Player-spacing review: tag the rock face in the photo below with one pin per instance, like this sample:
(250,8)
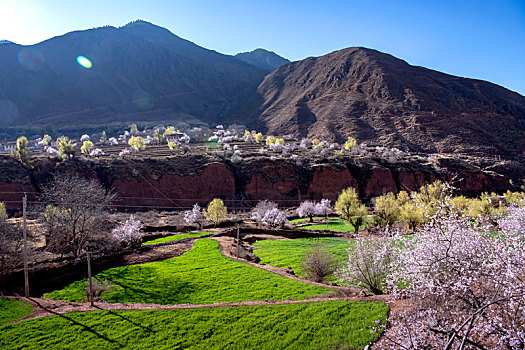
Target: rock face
(381,100)
(178,183)
(264,59)
(140,72)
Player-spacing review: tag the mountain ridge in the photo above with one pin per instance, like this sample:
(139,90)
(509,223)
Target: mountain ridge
(143,72)
(380,99)
(262,58)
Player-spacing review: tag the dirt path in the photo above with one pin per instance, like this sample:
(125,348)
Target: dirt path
(48,307)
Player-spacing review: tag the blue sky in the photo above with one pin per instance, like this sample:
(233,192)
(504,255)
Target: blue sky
(482,39)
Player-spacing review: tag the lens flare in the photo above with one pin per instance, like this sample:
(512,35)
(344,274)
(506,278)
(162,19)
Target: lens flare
(84,62)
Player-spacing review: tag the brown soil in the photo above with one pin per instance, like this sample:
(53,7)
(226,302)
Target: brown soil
(47,307)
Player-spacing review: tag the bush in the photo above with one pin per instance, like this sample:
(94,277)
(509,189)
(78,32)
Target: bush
(318,264)
(368,264)
(99,287)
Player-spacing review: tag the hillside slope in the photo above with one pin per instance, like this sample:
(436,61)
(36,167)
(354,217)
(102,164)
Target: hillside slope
(379,99)
(264,59)
(139,72)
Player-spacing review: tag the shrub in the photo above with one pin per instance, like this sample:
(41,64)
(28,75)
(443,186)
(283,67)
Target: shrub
(98,287)
(318,264)
(368,264)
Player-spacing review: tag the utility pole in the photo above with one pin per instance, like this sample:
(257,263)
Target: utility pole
(238,241)
(89,278)
(26,273)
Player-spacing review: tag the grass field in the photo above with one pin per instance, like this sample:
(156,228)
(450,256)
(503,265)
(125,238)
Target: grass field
(295,221)
(290,253)
(175,237)
(324,325)
(12,310)
(336,225)
(201,275)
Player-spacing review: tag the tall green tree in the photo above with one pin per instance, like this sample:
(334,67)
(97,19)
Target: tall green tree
(22,153)
(350,208)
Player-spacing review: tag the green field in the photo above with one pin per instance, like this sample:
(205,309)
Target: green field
(336,225)
(175,237)
(322,325)
(201,275)
(12,310)
(290,253)
(295,221)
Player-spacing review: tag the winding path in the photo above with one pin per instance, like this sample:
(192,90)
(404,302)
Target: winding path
(47,307)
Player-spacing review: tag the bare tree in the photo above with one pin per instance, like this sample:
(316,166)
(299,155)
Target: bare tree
(75,210)
(10,246)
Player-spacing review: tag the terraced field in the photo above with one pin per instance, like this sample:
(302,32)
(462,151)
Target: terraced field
(202,276)
(290,253)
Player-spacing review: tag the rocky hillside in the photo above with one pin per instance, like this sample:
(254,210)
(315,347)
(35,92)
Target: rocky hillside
(379,99)
(264,59)
(177,182)
(139,72)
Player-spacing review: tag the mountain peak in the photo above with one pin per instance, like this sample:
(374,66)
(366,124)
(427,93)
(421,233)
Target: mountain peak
(139,22)
(262,58)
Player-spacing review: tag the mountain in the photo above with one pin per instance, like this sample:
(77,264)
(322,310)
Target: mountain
(140,72)
(382,100)
(267,60)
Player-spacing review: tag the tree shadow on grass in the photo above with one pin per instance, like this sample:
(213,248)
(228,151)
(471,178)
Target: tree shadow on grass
(143,284)
(86,328)
(146,328)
